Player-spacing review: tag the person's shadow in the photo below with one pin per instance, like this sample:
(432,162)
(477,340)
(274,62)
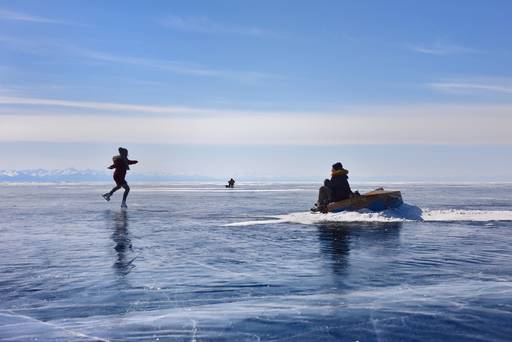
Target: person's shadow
(123,245)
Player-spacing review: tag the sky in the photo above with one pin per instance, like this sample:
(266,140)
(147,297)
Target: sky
(393,90)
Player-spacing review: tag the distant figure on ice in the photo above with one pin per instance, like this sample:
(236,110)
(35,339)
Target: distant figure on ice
(121,164)
(334,190)
(231,183)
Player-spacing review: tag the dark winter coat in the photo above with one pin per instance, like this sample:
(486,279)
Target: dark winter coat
(339,186)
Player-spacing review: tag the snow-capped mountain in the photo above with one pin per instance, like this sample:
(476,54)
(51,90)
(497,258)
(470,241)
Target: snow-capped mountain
(43,175)
(74,175)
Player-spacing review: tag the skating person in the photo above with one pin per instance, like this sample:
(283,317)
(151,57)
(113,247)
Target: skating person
(121,164)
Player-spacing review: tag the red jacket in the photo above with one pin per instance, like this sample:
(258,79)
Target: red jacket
(121,165)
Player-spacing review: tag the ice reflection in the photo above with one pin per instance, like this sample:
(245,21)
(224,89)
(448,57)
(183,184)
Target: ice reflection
(335,245)
(336,239)
(123,245)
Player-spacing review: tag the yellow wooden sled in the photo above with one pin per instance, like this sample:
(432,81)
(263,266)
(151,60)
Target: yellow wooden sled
(376,200)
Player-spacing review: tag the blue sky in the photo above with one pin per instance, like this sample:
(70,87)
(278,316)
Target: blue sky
(281,88)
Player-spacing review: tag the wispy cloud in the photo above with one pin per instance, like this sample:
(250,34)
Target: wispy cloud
(33,47)
(98,106)
(208,26)
(257,130)
(6,91)
(18,16)
(498,87)
(442,124)
(181,67)
(440,49)
(41,47)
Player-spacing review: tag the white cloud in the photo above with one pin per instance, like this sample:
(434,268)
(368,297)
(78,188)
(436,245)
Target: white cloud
(208,26)
(17,16)
(357,125)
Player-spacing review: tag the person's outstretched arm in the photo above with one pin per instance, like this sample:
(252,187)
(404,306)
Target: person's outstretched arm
(117,163)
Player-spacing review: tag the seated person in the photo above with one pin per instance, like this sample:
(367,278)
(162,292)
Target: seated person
(334,190)
(231,183)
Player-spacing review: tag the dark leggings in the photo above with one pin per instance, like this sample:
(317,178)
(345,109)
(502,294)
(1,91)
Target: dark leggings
(325,195)
(117,187)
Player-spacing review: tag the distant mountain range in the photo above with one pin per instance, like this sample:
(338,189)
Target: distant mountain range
(74,175)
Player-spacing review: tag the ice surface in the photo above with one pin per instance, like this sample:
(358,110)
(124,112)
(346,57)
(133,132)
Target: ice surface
(198,262)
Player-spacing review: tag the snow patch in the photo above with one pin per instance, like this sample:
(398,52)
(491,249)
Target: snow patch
(402,214)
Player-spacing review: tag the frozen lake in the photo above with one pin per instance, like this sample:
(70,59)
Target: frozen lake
(200,262)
